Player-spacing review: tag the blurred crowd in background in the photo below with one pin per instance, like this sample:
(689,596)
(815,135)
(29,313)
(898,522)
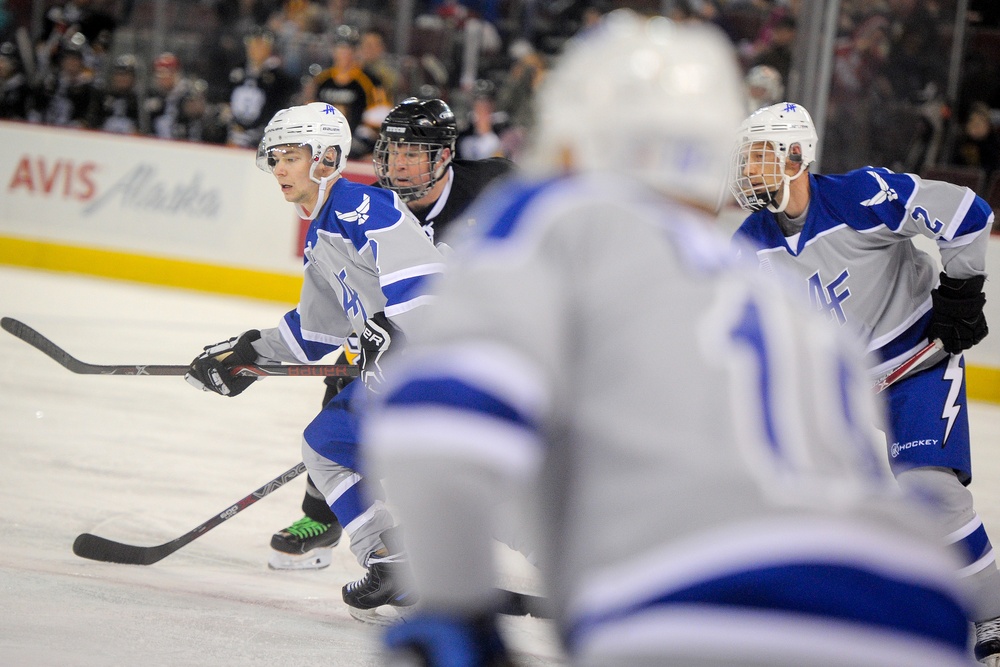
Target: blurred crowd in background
(216,70)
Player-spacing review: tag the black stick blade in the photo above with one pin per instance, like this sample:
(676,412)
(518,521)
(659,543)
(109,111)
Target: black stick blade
(96,547)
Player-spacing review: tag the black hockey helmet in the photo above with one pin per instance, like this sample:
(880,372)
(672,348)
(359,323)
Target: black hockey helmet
(408,155)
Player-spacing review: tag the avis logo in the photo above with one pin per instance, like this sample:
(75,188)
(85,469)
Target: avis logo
(64,178)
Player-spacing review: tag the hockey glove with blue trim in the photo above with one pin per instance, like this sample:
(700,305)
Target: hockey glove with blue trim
(213,369)
(437,640)
(957,318)
(379,335)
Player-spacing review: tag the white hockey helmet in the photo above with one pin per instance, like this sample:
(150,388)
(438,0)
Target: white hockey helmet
(318,125)
(770,138)
(647,97)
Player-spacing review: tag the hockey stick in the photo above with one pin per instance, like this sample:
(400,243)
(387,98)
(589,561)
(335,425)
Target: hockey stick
(40,342)
(897,373)
(95,547)
(99,548)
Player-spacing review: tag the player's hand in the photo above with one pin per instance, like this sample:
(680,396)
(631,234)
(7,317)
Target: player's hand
(379,335)
(957,317)
(213,369)
(437,640)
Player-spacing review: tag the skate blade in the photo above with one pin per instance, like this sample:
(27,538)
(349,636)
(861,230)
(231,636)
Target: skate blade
(316,559)
(384,615)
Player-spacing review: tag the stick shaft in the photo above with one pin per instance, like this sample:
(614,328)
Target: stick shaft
(40,342)
(99,548)
(897,373)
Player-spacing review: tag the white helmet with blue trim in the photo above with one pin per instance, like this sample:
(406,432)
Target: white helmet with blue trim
(768,140)
(319,126)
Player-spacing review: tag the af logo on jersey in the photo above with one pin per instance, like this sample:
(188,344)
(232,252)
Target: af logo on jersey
(884,194)
(358,215)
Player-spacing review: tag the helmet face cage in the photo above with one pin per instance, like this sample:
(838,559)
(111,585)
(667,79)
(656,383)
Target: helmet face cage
(410,169)
(758,172)
(408,154)
(770,138)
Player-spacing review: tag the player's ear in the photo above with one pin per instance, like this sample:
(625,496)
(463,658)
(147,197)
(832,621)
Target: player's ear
(328,164)
(331,156)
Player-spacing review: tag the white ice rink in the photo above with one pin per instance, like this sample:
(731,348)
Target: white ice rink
(145,459)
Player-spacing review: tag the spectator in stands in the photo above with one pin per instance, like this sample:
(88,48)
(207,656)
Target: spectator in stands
(163,102)
(259,89)
(778,52)
(979,143)
(516,95)
(295,26)
(118,108)
(764,87)
(914,67)
(63,20)
(347,87)
(199,120)
(66,95)
(481,140)
(14,89)
(376,64)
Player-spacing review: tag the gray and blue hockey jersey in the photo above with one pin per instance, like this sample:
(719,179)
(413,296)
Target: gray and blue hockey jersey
(711,496)
(364,253)
(855,258)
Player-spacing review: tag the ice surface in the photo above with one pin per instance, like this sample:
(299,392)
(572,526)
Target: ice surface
(143,460)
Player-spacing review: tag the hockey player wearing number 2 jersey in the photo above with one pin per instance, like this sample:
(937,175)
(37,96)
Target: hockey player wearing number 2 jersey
(713,497)
(366,259)
(846,239)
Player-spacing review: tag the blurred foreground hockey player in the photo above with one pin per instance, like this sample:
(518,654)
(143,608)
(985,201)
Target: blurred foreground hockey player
(846,241)
(415,158)
(714,496)
(366,258)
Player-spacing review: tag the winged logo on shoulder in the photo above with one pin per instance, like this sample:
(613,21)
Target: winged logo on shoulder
(884,194)
(358,215)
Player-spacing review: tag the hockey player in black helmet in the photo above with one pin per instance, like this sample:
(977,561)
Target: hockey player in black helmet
(414,157)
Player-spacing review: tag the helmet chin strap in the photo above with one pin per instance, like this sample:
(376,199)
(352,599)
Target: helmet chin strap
(324,185)
(785,180)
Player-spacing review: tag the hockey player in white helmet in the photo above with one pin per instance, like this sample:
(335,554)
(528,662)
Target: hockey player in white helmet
(714,499)
(845,241)
(366,261)
(415,158)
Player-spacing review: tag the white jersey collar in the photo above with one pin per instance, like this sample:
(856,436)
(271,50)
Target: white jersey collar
(443,199)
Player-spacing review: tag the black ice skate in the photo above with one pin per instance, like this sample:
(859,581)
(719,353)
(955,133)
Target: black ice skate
(386,584)
(307,544)
(988,642)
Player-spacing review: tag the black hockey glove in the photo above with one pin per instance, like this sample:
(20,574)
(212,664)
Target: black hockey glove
(957,318)
(335,385)
(212,370)
(379,335)
(437,640)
